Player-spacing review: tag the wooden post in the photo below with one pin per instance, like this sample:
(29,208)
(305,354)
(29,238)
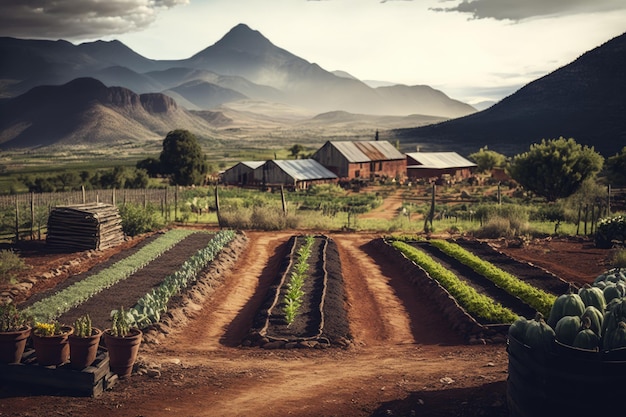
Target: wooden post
(499,195)
(167,208)
(17,220)
(431,214)
(282,197)
(608,201)
(176,203)
(32,216)
(217,207)
(113,196)
(82,187)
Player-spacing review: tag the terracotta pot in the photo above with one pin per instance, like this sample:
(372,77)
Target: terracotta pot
(83,350)
(52,350)
(122,351)
(12,345)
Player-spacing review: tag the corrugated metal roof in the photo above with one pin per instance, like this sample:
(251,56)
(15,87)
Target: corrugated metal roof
(252,164)
(367,151)
(304,169)
(439,160)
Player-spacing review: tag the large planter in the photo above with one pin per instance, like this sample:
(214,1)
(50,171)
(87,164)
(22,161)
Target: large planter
(83,350)
(12,345)
(53,350)
(123,351)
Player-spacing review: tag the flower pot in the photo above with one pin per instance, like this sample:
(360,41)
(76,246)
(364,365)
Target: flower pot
(83,350)
(122,351)
(52,350)
(12,345)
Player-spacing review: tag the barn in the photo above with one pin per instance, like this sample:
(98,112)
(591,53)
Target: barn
(242,173)
(362,159)
(431,165)
(295,174)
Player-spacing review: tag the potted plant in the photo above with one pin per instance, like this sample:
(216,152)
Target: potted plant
(51,343)
(84,343)
(122,342)
(14,331)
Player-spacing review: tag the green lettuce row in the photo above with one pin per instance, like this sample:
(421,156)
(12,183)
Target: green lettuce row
(151,306)
(534,297)
(473,302)
(54,306)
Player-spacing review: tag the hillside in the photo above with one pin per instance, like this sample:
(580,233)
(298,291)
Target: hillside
(584,100)
(85,111)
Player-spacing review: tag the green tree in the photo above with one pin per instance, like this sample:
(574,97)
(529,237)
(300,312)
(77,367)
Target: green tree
(295,150)
(616,168)
(151,165)
(487,159)
(182,158)
(555,168)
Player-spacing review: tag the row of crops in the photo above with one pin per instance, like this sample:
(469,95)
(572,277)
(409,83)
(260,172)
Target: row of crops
(485,294)
(152,305)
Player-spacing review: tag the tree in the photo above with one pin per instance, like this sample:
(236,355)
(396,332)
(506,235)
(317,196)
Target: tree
(555,168)
(182,158)
(295,150)
(616,168)
(151,165)
(487,159)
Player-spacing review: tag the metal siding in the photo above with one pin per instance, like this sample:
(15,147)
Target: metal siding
(304,169)
(437,160)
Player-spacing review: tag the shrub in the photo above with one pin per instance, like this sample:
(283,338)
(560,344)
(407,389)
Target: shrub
(618,260)
(611,231)
(137,219)
(10,264)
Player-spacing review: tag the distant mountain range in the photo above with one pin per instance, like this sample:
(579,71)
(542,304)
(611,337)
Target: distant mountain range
(57,93)
(584,100)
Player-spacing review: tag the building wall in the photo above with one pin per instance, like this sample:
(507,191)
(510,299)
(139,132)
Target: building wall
(333,160)
(456,173)
(238,175)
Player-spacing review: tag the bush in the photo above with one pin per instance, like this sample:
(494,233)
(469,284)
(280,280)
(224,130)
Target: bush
(137,219)
(498,227)
(611,231)
(618,260)
(259,218)
(10,264)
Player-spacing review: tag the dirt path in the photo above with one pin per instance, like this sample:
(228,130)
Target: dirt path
(388,209)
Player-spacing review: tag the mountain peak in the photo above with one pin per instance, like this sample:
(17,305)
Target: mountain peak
(242,38)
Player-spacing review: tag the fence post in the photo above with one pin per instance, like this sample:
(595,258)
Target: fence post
(17,220)
(176,203)
(217,208)
(282,197)
(113,197)
(32,216)
(82,187)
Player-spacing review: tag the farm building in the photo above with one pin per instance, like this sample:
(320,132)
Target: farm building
(426,165)
(362,159)
(295,174)
(242,173)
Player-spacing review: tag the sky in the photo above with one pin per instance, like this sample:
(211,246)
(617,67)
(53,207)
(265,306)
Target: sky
(472,50)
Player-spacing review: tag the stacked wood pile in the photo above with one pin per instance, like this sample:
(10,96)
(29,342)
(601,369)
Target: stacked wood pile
(84,227)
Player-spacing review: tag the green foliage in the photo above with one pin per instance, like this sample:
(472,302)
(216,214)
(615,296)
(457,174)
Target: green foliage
(487,159)
(293,297)
(296,150)
(506,220)
(10,264)
(182,158)
(618,260)
(64,300)
(120,323)
(82,326)
(471,300)
(616,168)
(611,231)
(137,219)
(12,319)
(534,297)
(555,168)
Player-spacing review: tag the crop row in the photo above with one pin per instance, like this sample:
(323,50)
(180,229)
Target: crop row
(62,301)
(293,297)
(476,304)
(534,297)
(151,306)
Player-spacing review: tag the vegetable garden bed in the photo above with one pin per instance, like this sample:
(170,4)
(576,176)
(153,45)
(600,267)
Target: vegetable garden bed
(320,319)
(467,314)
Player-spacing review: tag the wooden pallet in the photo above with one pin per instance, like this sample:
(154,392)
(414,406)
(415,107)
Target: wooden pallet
(60,380)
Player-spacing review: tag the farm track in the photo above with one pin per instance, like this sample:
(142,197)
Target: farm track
(477,281)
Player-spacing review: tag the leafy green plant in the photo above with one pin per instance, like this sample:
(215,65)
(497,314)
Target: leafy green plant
(610,231)
(52,307)
(137,219)
(46,329)
(294,294)
(471,300)
(534,297)
(10,263)
(11,319)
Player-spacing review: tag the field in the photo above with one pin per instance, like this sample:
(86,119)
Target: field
(404,357)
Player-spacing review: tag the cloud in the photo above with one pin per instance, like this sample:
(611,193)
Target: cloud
(517,10)
(78,19)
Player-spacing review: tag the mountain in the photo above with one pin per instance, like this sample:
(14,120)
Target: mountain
(85,111)
(243,60)
(584,100)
